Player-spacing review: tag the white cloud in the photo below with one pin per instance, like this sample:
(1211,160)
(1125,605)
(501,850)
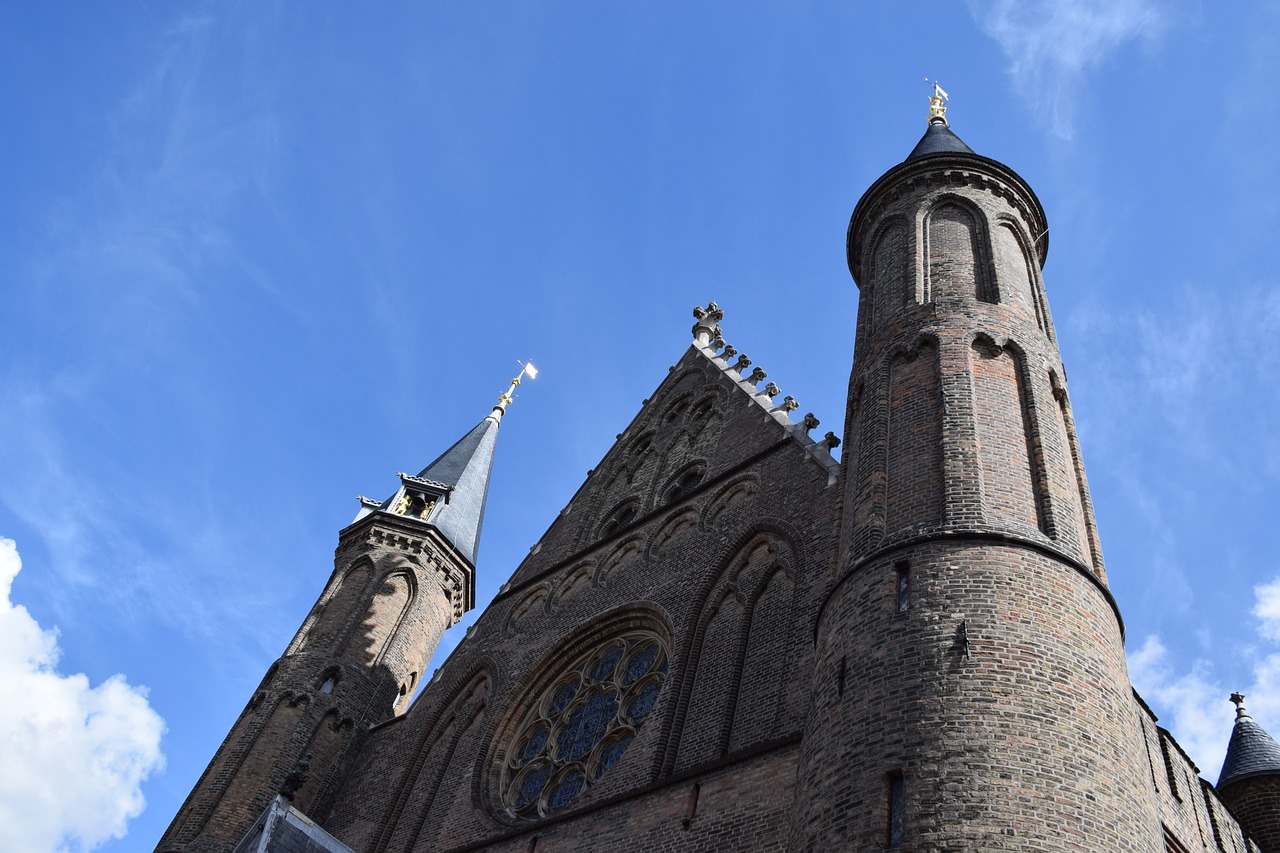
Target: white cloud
(1190,704)
(75,755)
(1194,704)
(1052,44)
(1267,608)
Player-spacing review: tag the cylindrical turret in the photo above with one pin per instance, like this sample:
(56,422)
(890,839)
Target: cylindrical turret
(971,690)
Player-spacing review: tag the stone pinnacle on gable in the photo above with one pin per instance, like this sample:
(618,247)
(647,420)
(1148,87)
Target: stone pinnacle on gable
(708,326)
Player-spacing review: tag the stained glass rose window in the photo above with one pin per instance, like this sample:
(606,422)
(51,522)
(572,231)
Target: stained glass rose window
(579,726)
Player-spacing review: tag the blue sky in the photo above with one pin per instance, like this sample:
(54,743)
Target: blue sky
(258,257)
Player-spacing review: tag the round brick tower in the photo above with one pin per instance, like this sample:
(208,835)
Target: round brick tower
(403,573)
(970,691)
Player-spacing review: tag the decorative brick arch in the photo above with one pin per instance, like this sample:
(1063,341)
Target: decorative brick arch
(719,623)
(409,596)
(632,546)
(740,488)
(884,256)
(1011,400)
(573,581)
(1018,243)
(335,625)
(537,600)
(678,522)
(934,239)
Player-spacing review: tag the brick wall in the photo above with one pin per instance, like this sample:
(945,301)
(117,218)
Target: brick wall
(1253,801)
(729,574)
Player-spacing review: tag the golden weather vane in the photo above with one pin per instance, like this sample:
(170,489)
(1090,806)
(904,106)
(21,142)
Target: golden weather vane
(937,101)
(504,399)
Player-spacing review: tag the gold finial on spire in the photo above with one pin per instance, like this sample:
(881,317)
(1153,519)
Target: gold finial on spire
(504,399)
(937,102)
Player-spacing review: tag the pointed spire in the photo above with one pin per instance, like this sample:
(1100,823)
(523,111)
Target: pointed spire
(938,137)
(1251,752)
(464,472)
(450,493)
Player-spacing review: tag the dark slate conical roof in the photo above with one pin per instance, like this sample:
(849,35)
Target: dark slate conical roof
(1252,752)
(464,468)
(938,139)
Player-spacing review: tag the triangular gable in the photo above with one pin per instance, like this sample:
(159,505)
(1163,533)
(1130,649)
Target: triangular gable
(706,418)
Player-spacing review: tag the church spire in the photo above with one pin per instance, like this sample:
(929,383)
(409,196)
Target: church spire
(450,493)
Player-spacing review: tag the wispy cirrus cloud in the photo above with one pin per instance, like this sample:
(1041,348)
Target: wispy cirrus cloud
(128,268)
(1052,45)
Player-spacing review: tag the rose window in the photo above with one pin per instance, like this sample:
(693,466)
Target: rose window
(579,727)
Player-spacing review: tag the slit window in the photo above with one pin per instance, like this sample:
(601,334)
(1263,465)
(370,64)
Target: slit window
(903,602)
(897,796)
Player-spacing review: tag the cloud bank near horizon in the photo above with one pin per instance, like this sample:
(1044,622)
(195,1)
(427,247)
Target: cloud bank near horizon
(75,755)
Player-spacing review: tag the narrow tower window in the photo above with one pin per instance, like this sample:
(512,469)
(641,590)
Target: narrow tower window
(1168,764)
(904,587)
(897,794)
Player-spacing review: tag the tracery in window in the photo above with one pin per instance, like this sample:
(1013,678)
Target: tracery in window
(579,727)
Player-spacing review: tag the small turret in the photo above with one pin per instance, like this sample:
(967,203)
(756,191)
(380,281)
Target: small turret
(1250,778)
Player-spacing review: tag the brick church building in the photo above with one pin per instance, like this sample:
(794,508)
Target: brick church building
(730,639)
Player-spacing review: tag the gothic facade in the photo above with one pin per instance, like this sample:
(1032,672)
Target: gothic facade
(732,640)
